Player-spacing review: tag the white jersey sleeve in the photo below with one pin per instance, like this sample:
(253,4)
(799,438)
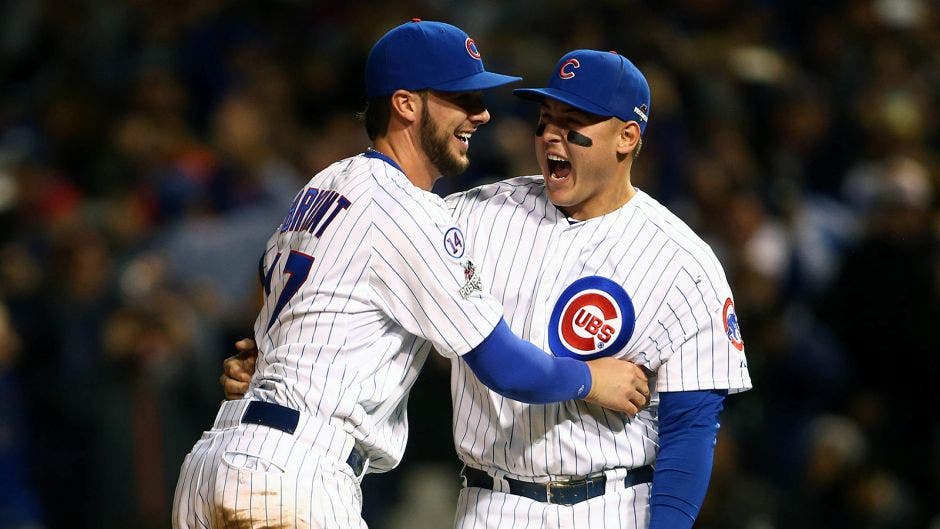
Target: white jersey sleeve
(697,338)
(421,274)
(694,330)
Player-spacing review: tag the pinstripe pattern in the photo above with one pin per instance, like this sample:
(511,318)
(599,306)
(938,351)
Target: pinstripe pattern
(532,253)
(342,343)
(229,481)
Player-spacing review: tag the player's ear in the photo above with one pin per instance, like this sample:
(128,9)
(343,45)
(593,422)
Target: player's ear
(629,136)
(406,105)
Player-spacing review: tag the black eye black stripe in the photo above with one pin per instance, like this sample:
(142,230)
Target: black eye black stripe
(579,139)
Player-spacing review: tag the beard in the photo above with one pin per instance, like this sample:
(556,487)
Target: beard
(436,144)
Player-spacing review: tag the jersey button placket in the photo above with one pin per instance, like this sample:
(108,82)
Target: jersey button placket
(554,278)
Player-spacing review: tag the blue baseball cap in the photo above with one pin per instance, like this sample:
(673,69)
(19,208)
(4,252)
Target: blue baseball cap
(603,83)
(420,55)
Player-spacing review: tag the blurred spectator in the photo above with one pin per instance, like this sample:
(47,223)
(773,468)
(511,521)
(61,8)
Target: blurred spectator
(19,505)
(151,396)
(882,306)
(737,499)
(835,450)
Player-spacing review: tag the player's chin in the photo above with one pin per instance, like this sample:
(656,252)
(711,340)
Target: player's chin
(462,162)
(453,164)
(560,196)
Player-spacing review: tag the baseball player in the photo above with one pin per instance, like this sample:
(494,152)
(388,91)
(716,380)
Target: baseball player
(615,274)
(365,273)
(588,266)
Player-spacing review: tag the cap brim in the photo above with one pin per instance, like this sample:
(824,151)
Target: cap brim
(477,81)
(538,94)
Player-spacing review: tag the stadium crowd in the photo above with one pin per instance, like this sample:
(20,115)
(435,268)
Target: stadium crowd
(148,148)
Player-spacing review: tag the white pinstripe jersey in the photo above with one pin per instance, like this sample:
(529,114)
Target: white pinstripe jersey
(365,273)
(685,330)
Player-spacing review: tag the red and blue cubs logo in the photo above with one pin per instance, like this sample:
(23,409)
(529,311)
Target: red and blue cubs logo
(567,70)
(472,48)
(593,317)
(732,328)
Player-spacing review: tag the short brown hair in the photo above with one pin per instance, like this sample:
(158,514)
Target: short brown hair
(376,115)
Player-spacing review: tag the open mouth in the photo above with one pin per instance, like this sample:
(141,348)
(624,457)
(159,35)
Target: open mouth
(464,137)
(558,167)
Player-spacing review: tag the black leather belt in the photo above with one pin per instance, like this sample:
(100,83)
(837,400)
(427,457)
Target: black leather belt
(285,419)
(558,492)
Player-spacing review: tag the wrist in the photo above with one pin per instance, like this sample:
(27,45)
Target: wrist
(590,393)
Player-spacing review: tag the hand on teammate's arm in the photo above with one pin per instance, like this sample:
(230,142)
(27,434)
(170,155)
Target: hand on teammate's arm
(238,369)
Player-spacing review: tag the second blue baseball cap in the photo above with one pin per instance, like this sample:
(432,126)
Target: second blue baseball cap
(422,54)
(603,83)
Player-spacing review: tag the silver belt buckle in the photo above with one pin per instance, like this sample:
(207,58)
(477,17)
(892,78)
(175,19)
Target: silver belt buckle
(560,482)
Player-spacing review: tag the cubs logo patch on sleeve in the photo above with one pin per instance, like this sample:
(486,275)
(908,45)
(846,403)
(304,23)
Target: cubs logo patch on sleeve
(593,317)
(732,329)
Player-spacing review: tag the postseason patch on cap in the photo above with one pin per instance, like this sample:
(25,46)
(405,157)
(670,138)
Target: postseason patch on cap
(593,317)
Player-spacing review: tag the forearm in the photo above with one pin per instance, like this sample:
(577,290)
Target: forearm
(521,371)
(688,430)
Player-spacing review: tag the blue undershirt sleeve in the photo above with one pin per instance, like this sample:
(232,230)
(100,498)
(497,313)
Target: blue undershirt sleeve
(521,371)
(688,429)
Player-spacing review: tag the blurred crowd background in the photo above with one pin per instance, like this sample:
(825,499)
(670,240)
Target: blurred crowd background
(149,147)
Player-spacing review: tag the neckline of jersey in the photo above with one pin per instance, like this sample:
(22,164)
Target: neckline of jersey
(372,153)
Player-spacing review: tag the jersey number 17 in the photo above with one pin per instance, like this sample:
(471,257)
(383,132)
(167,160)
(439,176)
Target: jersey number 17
(298,268)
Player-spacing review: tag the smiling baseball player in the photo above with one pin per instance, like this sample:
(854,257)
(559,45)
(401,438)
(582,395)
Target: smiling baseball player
(366,271)
(589,266)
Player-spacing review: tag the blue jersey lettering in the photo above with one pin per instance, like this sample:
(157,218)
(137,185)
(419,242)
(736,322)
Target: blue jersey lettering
(309,209)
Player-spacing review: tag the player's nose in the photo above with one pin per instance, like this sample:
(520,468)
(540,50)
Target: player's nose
(480,116)
(552,133)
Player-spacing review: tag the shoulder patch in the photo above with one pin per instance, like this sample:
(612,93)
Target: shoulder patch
(454,242)
(732,329)
(473,281)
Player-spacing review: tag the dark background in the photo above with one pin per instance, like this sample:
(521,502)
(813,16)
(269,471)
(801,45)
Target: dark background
(148,149)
